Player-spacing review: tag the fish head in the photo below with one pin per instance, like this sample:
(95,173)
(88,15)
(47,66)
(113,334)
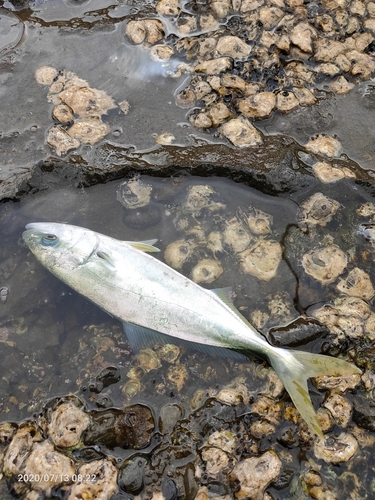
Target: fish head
(61,248)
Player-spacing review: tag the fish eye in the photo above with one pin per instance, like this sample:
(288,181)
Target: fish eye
(49,240)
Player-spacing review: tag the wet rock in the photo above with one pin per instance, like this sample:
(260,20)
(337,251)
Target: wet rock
(178,375)
(286,101)
(134,427)
(206,271)
(49,465)
(236,235)
(186,24)
(258,221)
(318,209)
(168,353)
(250,477)
(161,53)
(241,133)
(89,131)
(87,102)
(357,284)
(99,481)
(136,31)
(131,388)
(224,440)
(45,75)
(131,476)
(186,98)
(302,36)
(262,259)
(219,113)
(216,460)
(169,415)
(165,138)
(325,264)
(147,360)
(233,46)
(234,394)
(258,106)
(20,448)
(327,173)
(61,141)
(270,17)
(134,193)
(324,145)
(336,449)
(364,412)
(168,7)
(154,30)
(178,252)
(66,423)
(214,66)
(340,408)
(142,218)
(63,113)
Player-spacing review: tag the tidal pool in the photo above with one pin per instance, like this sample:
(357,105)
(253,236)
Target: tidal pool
(287,223)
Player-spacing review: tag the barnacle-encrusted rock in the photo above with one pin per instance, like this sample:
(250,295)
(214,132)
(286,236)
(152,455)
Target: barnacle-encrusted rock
(258,106)
(366,209)
(325,264)
(51,467)
(89,130)
(20,448)
(303,35)
(262,259)
(45,75)
(178,252)
(161,53)
(286,101)
(219,113)
(251,476)
(63,113)
(97,480)
(318,209)
(336,449)
(168,353)
(131,388)
(348,316)
(221,7)
(341,85)
(199,197)
(134,193)
(168,7)
(206,271)
(178,375)
(66,424)
(258,221)
(215,242)
(357,284)
(241,133)
(224,440)
(61,141)
(324,145)
(234,393)
(327,173)
(214,66)
(136,31)
(236,235)
(233,46)
(147,359)
(340,408)
(85,101)
(215,459)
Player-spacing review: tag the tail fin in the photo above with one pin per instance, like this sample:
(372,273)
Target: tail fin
(295,367)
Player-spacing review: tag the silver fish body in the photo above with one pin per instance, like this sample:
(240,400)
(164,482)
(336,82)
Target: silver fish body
(131,285)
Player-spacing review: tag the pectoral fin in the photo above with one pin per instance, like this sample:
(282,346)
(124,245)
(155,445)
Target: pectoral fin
(144,246)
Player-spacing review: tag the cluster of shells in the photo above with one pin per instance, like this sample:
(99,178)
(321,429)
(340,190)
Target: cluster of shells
(250,58)
(78,110)
(245,234)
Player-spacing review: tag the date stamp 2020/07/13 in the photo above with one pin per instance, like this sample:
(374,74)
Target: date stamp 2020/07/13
(57,478)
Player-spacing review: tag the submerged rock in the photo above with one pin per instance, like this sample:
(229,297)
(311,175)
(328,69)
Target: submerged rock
(336,449)
(251,476)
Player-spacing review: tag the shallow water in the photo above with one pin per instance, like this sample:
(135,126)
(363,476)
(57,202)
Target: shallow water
(54,342)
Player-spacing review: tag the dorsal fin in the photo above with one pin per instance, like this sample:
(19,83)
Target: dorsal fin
(225,295)
(144,246)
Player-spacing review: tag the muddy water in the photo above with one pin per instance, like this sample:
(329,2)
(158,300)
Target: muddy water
(54,342)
